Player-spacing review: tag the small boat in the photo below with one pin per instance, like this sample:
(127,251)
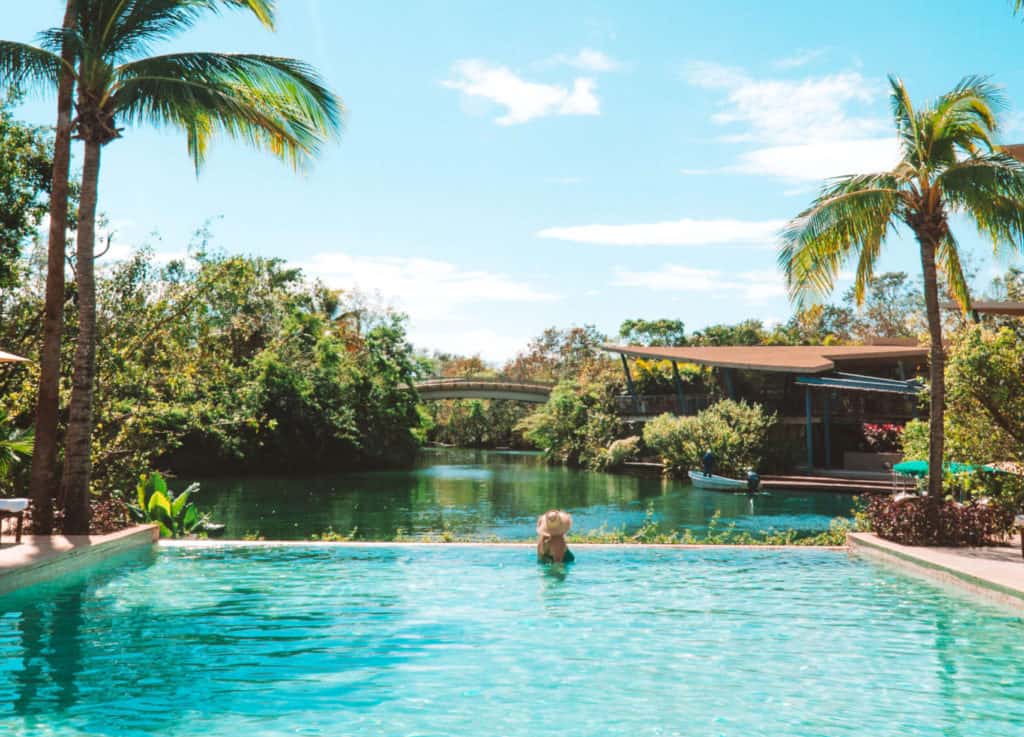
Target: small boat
(720,483)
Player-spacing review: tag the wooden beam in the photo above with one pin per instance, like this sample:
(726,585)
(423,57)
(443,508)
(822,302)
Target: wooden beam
(629,383)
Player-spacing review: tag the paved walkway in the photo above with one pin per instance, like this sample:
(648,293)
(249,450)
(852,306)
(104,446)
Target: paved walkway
(996,572)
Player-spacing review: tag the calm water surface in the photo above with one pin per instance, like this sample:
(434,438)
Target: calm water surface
(488,493)
(452,642)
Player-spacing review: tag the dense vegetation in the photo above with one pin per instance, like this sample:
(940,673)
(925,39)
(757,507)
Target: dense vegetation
(222,363)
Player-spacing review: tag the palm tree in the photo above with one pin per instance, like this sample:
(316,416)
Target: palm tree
(272,103)
(44,456)
(949,163)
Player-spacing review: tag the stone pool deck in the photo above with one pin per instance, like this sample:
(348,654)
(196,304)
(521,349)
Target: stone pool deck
(995,572)
(41,558)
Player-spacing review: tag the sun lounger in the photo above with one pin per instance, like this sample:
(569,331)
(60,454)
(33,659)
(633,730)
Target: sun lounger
(13,508)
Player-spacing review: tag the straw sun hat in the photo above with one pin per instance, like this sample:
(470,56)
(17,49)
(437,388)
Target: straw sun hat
(555,522)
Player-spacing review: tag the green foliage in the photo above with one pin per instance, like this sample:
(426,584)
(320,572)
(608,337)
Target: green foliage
(622,450)
(25,165)
(576,425)
(746,332)
(477,423)
(736,432)
(330,536)
(573,354)
(15,447)
(915,441)
(176,515)
(664,332)
(985,395)
(652,533)
(222,364)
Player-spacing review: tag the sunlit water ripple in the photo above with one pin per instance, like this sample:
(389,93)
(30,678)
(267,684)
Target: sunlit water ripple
(481,641)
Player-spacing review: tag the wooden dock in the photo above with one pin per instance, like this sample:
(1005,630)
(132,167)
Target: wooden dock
(844,484)
(838,482)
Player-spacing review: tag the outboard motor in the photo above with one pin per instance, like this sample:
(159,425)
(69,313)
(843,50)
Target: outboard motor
(753,481)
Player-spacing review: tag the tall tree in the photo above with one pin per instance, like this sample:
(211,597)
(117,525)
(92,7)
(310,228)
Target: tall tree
(948,163)
(42,481)
(272,103)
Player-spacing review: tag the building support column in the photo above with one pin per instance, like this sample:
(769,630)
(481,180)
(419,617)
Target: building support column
(730,385)
(827,425)
(629,383)
(677,381)
(810,429)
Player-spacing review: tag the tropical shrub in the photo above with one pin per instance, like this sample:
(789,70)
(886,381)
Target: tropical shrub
(925,520)
(576,425)
(619,452)
(15,447)
(175,514)
(915,440)
(736,432)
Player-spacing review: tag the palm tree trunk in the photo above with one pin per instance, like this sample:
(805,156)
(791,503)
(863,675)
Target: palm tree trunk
(78,441)
(42,483)
(937,365)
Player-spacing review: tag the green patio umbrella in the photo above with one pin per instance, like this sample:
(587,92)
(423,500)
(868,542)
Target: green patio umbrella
(920,468)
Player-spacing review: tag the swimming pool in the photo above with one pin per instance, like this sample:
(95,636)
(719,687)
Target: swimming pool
(395,640)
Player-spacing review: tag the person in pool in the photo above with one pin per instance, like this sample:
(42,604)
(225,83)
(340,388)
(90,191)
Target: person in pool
(551,545)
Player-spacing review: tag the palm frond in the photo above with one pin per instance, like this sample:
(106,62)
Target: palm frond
(25,66)
(276,104)
(947,258)
(965,118)
(124,28)
(990,190)
(849,219)
(906,120)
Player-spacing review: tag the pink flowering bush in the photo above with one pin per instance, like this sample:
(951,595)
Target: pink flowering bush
(884,438)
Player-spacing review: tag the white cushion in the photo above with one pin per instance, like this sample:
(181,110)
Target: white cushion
(13,505)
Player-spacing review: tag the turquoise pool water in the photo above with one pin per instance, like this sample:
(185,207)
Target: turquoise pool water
(481,641)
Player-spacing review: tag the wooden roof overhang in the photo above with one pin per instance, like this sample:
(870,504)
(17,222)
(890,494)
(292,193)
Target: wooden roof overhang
(799,359)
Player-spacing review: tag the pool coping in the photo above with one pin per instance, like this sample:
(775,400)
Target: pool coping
(993,580)
(43,558)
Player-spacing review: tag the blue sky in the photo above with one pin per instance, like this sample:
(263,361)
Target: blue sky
(504,169)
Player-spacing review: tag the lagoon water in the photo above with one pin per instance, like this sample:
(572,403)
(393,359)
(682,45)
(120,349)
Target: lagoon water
(453,641)
(484,494)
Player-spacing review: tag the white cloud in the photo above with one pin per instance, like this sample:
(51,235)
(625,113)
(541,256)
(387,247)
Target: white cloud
(684,232)
(523,100)
(820,160)
(798,59)
(588,59)
(749,286)
(805,128)
(425,288)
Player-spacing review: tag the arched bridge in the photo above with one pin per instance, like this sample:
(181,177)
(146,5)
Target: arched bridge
(483,389)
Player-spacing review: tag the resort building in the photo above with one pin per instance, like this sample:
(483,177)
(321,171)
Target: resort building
(824,394)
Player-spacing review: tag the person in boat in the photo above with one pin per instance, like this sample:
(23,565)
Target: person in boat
(551,545)
(708,462)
